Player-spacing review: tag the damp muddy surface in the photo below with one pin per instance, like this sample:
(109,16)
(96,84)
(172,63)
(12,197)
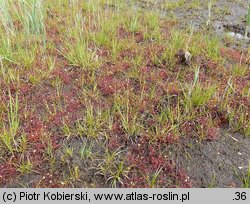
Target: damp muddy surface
(222,162)
(75,155)
(226,16)
(219,163)
(69,158)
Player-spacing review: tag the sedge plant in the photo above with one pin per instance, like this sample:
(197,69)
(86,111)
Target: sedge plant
(8,136)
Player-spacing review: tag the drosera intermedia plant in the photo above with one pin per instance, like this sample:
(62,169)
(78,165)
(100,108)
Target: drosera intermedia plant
(111,81)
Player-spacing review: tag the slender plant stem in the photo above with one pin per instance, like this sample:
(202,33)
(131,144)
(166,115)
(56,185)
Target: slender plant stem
(248,20)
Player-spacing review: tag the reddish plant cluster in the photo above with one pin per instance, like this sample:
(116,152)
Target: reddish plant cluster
(35,130)
(116,69)
(235,55)
(7,171)
(139,36)
(50,181)
(123,34)
(172,89)
(154,75)
(52,93)
(25,89)
(148,164)
(109,85)
(33,127)
(219,117)
(170,138)
(188,127)
(115,142)
(206,128)
(68,116)
(65,74)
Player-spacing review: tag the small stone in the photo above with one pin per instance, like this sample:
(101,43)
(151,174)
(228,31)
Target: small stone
(184,57)
(239,36)
(231,34)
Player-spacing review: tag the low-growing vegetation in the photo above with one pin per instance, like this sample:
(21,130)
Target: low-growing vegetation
(112,93)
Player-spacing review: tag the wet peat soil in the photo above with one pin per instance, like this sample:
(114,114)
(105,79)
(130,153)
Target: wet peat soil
(226,16)
(222,162)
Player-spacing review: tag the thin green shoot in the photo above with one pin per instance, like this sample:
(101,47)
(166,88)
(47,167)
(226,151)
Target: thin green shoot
(248,20)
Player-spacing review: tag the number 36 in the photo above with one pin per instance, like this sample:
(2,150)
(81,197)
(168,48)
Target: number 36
(240,196)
